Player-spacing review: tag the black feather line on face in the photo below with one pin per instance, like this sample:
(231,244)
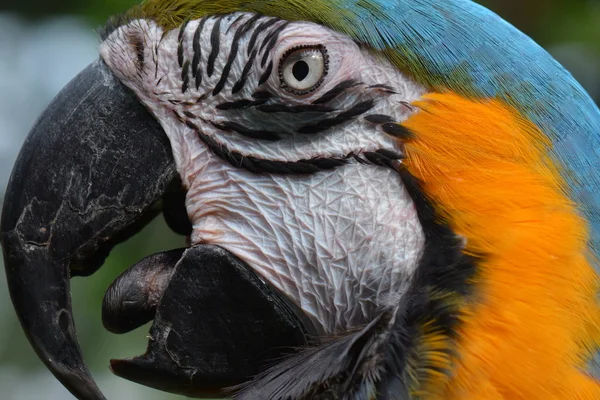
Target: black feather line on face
(215,42)
(341,118)
(180,38)
(182,31)
(383,88)
(258,165)
(185,76)
(239,85)
(234,23)
(239,104)
(294,109)
(397,130)
(197,50)
(266,74)
(262,95)
(259,29)
(112,25)
(390,127)
(138,45)
(325,123)
(378,119)
(229,126)
(336,91)
(384,158)
(270,41)
(242,30)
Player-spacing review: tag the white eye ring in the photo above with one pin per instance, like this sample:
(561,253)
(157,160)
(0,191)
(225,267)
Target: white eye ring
(303,68)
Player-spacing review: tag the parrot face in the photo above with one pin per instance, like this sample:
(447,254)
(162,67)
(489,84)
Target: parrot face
(269,125)
(392,200)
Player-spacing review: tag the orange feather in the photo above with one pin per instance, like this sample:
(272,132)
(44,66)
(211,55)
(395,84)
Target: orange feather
(533,320)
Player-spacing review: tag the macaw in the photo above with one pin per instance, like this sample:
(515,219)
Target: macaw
(384,199)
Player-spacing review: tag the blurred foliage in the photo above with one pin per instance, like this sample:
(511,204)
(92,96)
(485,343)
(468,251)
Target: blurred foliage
(96,11)
(548,21)
(553,23)
(98,345)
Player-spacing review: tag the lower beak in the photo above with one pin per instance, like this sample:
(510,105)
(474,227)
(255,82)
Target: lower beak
(95,168)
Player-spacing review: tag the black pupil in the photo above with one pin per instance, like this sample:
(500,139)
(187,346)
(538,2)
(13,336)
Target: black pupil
(300,70)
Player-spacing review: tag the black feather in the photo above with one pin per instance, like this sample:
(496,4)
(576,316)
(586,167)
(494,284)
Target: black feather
(339,369)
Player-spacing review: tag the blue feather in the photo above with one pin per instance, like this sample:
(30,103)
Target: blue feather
(464,47)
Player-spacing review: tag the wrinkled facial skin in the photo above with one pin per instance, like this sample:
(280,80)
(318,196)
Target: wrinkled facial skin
(289,182)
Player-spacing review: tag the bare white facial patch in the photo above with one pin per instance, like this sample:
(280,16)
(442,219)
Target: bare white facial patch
(268,124)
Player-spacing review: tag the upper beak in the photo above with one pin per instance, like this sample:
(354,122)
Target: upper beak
(95,168)
(88,176)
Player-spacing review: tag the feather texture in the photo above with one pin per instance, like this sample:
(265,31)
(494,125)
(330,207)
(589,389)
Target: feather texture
(542,139)
(458,46)
(536,317)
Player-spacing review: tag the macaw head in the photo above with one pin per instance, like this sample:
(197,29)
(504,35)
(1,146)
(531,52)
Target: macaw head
(405,190)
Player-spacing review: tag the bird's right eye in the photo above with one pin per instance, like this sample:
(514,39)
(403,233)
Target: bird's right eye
(303,68)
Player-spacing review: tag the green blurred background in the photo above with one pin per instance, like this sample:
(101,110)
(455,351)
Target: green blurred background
(44,44)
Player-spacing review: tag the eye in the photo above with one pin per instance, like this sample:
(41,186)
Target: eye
(302,69)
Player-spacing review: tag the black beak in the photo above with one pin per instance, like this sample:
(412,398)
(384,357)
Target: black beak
(89,175)
(95,168)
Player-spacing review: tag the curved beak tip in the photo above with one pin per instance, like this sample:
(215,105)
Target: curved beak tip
(67,205)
